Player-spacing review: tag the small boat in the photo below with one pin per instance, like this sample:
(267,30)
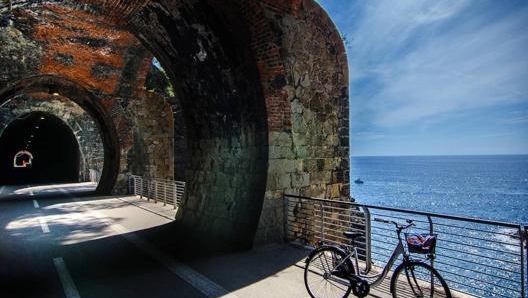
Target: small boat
(358,181)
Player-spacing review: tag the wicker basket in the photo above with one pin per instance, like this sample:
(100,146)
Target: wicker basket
(421,243)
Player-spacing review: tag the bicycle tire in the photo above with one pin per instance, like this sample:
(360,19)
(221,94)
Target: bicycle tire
(321,279)
(418,279)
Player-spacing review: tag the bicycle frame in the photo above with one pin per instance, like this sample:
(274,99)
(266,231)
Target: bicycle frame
(377,278)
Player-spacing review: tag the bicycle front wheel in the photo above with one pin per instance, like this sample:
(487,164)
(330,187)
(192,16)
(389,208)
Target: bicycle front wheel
(420,280)
(327,273)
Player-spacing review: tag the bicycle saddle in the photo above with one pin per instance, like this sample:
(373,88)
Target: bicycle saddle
(352,235)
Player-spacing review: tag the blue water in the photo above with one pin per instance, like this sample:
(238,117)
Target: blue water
(491,187)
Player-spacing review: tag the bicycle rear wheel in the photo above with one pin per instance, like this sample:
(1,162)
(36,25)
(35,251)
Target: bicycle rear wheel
(322,275)
(420,280)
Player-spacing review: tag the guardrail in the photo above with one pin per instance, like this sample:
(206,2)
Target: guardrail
(479,257)
(163,190)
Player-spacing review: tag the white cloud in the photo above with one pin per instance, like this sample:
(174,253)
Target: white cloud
(427,62)
(385,26)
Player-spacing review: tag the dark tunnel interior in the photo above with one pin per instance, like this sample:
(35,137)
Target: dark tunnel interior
(38,148)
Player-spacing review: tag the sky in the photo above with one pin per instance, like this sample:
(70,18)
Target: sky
(435,77)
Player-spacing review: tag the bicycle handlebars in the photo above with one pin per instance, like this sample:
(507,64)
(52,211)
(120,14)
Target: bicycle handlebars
(410,223)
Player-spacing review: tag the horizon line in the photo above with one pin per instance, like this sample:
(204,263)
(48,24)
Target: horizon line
(439,155)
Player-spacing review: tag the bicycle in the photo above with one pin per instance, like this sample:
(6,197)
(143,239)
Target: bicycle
(329,270)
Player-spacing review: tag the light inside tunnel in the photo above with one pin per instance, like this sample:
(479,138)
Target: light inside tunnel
(22,159)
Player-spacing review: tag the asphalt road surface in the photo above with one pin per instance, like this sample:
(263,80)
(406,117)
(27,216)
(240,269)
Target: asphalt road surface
(54,244)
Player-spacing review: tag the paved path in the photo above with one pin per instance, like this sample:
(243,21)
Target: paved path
(62,245)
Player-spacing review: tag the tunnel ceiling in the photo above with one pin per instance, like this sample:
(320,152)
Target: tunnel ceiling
(259,89)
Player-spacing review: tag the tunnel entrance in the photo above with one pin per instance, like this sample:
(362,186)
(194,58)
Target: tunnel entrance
(38,148)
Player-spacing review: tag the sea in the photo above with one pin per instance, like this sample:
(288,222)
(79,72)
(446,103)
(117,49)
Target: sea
(486,187)
(490,187)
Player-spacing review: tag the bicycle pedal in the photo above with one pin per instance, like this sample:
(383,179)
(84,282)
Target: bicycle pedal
(360,287)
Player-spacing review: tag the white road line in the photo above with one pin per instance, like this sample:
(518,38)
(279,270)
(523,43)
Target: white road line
(36,204)
(194,278)
(70,290)
(44,225)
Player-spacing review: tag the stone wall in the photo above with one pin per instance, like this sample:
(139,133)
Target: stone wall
(309,157)
(153,134)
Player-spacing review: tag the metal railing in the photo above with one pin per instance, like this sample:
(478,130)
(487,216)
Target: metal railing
(162,190)
(478,257)
(95,175)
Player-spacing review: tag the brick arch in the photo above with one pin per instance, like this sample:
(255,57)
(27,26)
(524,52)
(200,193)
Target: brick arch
(81,96)
(207,57)
(262,87)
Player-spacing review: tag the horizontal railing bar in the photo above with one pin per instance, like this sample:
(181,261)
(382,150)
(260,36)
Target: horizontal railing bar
(482,265)
(482,272)
(446,232)
(339,220)
(478,289)
(474,246)
(474,220)
(476,255)
(380,252)
(385,216)
(494,285)
(383,229)
(450,249)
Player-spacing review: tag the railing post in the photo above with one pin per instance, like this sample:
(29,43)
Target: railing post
(142,186)
(175,194)
(431,230)
(368,240)
(149,191)
(157,184)
(135,186)
(523,238)
(285,217)
(322,221)
(165,192)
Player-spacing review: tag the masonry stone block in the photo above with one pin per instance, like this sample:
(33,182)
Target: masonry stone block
(284,181)
(280,139)
(300,179)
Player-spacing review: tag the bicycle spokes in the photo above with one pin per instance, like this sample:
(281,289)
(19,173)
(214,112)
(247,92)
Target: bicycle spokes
(419,281)
(324,275)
